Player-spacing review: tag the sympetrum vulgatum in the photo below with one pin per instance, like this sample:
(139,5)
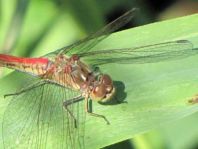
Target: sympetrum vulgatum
(37,118)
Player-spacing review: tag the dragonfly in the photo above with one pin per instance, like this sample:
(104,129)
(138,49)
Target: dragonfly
(45,113)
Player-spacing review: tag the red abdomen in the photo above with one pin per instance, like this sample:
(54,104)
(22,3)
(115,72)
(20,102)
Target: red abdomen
(36,66)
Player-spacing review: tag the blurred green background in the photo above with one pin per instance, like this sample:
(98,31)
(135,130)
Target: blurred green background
(37,27)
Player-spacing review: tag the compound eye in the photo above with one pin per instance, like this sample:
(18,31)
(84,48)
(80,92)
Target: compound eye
(99,91)
(106,80)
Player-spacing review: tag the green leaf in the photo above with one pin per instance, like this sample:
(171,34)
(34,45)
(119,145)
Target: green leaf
(167,135)
(156,93)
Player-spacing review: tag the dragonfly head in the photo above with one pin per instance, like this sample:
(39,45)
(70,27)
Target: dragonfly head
(104,90)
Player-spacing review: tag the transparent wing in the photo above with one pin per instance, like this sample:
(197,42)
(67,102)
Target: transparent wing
(89,42)
(144,54)
(36,119)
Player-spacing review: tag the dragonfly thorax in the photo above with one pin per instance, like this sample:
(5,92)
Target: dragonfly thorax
(73,73)
(99,87)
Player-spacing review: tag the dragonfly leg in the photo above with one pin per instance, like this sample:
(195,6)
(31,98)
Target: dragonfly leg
(94,114)
(66,103)
(32,86)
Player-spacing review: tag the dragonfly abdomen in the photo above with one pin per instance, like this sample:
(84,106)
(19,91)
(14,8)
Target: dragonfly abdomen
(35,66)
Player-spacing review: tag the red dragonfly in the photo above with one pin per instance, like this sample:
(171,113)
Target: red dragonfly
(38,117)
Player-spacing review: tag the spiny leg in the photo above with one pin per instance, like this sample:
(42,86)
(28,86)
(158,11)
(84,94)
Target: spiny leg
(66,103)
(94,114)
(35,85)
